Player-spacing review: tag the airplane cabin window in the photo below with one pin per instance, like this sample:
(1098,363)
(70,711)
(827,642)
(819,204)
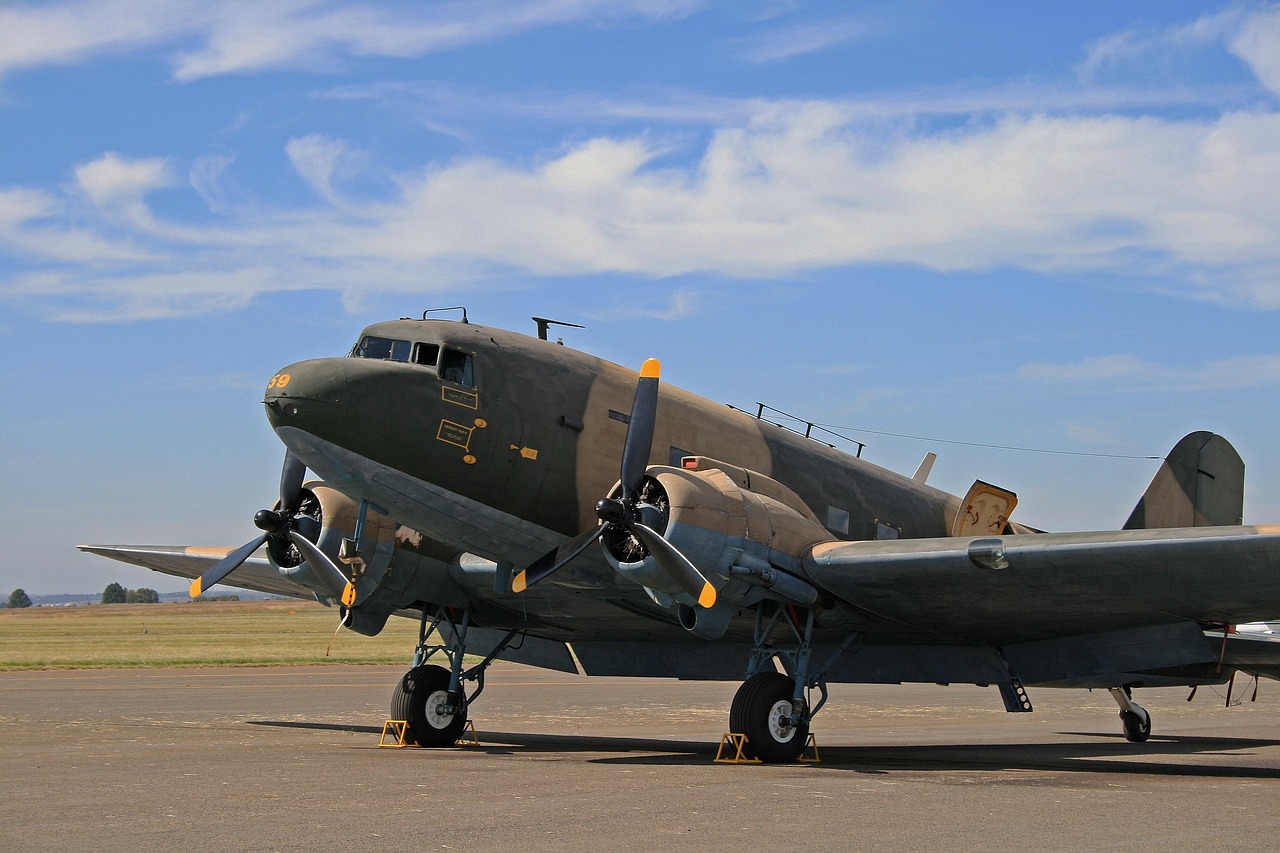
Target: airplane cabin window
(457,367)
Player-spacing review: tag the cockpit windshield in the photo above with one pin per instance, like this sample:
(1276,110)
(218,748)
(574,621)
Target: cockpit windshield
(371,346)
(454,366)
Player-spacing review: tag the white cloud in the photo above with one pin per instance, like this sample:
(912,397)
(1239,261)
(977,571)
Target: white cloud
(1185,206)
(69,32)
(1182,205)
(682,304)
(112,179)
(316,159)
(1158,49)
(1127,371)
(790,41)
(1258,43)
(238,36)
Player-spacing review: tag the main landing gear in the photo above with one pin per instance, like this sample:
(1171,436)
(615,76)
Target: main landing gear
(770,708)
(1133,717)
(430,697)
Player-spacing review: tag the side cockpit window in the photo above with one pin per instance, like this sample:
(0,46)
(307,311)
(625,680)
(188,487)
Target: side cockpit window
(457,367)
(426,354)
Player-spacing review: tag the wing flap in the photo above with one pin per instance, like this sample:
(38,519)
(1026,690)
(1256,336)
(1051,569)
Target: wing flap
(1021,588)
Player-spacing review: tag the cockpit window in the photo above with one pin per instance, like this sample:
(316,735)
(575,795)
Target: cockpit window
(451,365)
(426,354)
(457,367)
(382,348)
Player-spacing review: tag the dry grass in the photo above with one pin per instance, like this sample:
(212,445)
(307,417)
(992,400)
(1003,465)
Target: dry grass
(248,633)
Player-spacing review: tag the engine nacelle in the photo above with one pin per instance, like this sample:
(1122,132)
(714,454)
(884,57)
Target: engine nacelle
(396,565)
(717,515)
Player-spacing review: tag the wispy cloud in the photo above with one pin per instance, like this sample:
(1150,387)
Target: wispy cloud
(237,36)
(1158,48)
(1257,42)
(1118,372)
(794,187)
(682,304)
(763,189)
(789,41)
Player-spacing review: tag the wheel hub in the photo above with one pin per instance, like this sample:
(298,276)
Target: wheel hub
(780,721)
(439,713)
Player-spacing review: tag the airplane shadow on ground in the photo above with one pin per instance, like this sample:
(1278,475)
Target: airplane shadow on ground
(1101,753)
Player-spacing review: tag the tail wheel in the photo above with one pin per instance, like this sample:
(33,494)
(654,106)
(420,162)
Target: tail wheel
(422,699)
(762,711)
(1136,729)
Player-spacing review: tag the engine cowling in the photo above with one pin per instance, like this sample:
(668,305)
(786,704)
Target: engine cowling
(396,565)
(719,516)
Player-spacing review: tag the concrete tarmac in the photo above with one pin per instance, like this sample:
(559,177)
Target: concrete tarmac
(287,759)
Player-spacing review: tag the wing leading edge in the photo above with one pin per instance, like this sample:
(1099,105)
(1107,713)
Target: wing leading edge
(1022,588)
(256,573)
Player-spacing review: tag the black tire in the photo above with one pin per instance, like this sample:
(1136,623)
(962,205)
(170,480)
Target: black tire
(758,707)
(1136,730)
(417,698)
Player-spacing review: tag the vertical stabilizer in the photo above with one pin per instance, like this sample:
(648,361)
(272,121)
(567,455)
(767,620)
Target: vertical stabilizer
(1199,484)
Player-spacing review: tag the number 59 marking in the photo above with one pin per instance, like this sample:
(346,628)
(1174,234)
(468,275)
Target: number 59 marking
(278,381)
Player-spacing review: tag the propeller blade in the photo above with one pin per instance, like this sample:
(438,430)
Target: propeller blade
(326,570)
(225,566)
(676,565)
(644,414)
(291,477)
(551,561)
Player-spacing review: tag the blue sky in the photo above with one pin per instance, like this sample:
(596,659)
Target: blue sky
(1046,226)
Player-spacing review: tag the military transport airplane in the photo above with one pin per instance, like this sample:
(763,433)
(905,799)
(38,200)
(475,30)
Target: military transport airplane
(530,502)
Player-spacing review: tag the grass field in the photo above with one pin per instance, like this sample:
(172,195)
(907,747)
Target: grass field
(230,633)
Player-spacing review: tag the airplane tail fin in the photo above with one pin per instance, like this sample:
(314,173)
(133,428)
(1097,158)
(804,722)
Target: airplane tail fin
(1199,484)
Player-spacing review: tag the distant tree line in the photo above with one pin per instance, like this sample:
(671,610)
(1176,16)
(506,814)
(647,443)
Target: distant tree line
(116,594)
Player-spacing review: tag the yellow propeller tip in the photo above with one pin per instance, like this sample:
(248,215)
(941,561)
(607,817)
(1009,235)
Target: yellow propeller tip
(708,596)
(519,583)
(196,589)
(349,594)
(650,369)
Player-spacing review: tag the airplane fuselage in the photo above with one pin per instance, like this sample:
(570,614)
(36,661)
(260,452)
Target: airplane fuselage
(533,430)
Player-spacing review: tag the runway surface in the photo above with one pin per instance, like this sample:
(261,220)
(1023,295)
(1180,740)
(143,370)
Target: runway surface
(287,759)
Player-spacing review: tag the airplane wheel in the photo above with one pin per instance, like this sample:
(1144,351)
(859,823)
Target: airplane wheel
(760,710)
(1136,730)
(418,698)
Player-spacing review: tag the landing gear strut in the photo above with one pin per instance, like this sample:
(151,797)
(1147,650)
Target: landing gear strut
(1133,717)
(430,698)
(771,708)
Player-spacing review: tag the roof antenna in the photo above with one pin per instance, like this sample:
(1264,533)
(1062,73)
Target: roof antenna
(544,324)
(454,308)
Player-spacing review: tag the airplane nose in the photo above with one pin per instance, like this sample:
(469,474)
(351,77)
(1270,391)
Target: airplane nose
(300,389)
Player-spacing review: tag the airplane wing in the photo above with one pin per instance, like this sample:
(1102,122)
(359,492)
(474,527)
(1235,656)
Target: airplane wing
(1035,587)
(256,573)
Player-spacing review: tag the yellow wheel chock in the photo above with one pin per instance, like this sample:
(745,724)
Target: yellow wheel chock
(395,735)
(811,743)
(465,740)
(399,732)
(738,744)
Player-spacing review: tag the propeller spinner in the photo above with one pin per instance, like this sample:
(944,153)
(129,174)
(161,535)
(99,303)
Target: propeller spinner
(630,514)
(281,527)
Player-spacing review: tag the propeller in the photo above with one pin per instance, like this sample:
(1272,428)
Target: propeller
(282,527)
(630,513)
